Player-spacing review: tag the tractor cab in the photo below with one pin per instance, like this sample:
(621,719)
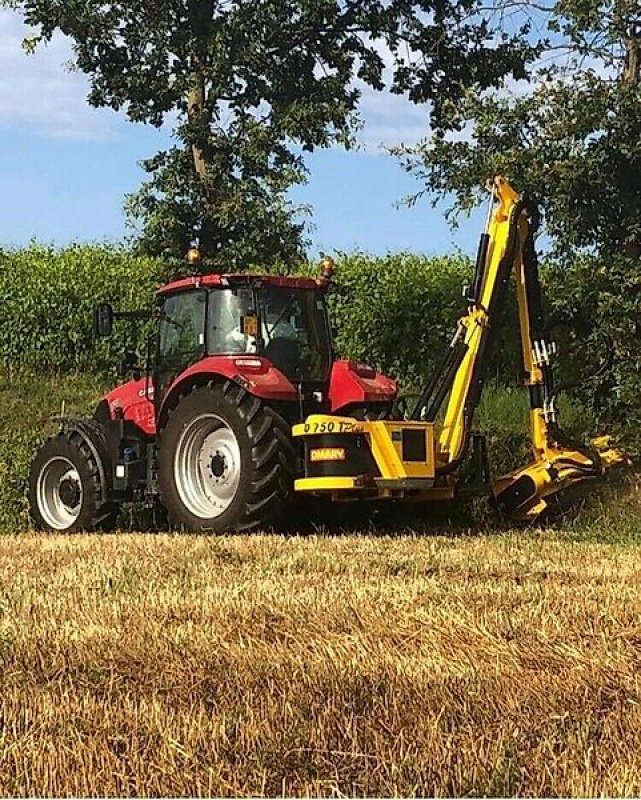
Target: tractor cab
(281,321)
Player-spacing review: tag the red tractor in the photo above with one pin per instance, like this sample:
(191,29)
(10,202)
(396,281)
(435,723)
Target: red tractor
(206,431)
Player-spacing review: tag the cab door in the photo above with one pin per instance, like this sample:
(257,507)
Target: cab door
(181,338)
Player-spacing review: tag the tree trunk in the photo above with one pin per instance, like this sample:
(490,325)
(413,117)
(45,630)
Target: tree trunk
(201,14)
(195,108)
(632,74)
(632,70)
(632,248)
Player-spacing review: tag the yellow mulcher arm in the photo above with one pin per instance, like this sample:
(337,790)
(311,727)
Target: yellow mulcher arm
(419,459)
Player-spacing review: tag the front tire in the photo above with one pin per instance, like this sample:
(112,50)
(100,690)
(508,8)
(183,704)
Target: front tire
(226,461)
(65,490)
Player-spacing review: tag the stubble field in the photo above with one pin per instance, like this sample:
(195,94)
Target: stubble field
(179,665)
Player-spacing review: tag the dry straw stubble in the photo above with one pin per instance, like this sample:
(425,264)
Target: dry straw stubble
(173,665)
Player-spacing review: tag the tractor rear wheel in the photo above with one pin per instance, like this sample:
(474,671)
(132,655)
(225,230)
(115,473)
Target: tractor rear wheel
(65,491)
(226,461)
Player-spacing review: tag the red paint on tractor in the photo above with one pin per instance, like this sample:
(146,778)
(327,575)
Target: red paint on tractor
(351,383)
(196,281)
(256,374)
(129,401)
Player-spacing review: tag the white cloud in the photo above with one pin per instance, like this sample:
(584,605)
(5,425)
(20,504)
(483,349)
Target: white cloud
(38,92)
(390,119)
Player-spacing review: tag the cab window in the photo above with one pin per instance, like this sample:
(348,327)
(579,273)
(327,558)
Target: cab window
(227,309)
(182,330)
(294,332)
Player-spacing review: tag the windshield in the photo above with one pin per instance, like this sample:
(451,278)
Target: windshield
(295,332)
(292,330)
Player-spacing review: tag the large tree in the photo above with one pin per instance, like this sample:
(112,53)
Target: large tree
(251,86)
(571,137)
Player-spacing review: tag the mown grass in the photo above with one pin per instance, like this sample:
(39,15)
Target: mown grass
(476,664)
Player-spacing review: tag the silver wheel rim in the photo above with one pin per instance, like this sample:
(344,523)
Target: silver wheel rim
(207,466)
(59,493)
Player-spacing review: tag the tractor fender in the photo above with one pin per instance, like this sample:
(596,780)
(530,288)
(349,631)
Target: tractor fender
(93,434)
(131,401)
(256,375)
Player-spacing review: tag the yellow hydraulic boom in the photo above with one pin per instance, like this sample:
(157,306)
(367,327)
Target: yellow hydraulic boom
(421,459)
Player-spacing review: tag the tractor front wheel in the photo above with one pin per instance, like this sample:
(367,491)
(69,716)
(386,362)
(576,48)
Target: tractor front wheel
(65,490)
(226,461)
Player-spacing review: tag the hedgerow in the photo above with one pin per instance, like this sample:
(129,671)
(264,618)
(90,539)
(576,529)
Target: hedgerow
(598,301)
(396,312)
(399,312)
(47,297)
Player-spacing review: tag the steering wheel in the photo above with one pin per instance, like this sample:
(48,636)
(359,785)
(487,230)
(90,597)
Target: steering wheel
(276,323)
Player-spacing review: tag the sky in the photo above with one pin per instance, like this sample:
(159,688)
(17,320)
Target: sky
(65,168)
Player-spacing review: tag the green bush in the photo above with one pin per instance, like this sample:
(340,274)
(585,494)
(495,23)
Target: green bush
(503,416)
(47,298)
(601,345)
(399,312)
(396,312)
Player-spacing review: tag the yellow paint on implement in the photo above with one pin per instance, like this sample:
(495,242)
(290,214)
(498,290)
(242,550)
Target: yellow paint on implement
(411,461)
(329,484)
(388,442)
(319,424)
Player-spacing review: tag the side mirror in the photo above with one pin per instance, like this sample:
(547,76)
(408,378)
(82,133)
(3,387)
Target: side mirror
(103,320)
(129,363)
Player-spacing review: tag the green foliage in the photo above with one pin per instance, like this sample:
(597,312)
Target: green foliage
(575,147)
(399,312)
(570,138)
(250,85)
(503,416)
(47,298)
(599,298)
(251,223)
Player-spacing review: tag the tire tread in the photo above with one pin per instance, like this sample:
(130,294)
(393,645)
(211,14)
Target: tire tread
(272,456)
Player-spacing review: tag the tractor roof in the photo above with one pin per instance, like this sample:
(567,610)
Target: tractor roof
(195,281)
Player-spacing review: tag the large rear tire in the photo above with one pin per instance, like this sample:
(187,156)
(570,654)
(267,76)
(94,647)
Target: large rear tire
(66,494)
(226,462)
